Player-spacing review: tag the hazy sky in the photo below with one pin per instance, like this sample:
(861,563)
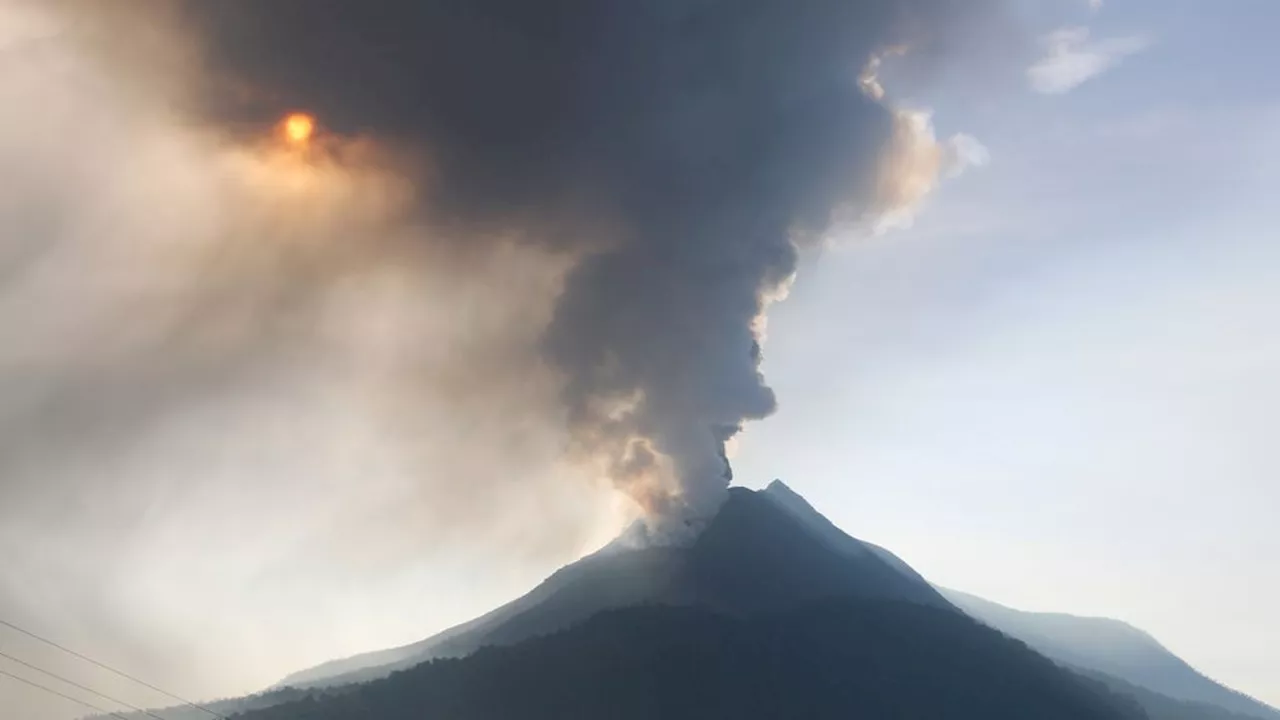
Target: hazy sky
(1058,389)
(1054,389)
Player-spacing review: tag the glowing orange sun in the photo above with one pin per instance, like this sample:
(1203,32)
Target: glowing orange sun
(298,128)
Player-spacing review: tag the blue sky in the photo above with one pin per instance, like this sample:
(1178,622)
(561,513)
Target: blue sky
(1057,389)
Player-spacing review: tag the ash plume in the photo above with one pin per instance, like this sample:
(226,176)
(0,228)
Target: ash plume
(530,246)
(679,151)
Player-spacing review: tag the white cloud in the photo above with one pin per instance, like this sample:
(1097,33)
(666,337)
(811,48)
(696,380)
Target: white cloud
(915,164)
(1072,58)
(965,151)
(1095,5)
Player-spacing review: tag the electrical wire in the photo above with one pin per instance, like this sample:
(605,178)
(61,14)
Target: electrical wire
(63,695)
(77,685)
(110,669)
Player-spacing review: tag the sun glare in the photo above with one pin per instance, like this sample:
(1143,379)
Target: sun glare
(298,128)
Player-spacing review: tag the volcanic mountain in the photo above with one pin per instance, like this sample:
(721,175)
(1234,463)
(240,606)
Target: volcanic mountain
(769,613)
(755,556)
(772,611)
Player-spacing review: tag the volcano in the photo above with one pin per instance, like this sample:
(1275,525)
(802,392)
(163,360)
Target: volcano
(763,551)
(771,611)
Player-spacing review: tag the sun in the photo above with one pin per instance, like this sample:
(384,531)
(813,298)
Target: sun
(298,127)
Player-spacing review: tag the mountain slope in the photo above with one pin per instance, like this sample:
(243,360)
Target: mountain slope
(754,556)
(1163,707)
(818,524)
(1111,647)
(830,660)
(1128,659)
(610,578)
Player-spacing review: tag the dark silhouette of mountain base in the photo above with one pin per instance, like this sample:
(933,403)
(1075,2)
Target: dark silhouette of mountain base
(841,659)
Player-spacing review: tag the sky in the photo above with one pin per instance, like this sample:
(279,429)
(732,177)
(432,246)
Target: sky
(1048,383)
(1056,390)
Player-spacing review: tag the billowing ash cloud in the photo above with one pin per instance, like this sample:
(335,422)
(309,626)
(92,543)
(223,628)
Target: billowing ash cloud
(237,374)
(680,149)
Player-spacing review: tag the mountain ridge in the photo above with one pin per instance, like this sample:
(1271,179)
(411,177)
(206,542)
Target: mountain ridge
(1114,648)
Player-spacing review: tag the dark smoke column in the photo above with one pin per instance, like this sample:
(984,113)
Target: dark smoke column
(679,148)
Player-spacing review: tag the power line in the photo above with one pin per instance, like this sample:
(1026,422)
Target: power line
(65,696)
(75,684)
(110,669)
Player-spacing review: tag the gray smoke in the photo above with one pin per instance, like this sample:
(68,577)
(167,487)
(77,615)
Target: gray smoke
(532,241)
(682,150)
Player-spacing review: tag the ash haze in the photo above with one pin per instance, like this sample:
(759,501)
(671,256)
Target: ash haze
(510,295)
